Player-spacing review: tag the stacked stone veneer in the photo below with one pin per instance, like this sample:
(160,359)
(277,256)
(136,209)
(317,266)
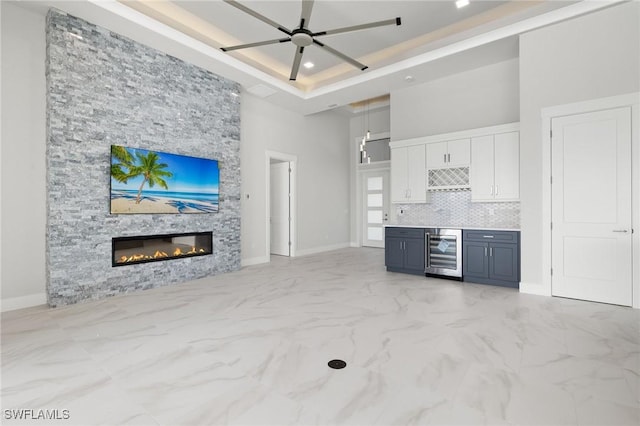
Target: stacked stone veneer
(105,89)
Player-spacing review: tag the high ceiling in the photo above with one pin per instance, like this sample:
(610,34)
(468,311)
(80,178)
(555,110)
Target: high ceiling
(435,39)
(423,23)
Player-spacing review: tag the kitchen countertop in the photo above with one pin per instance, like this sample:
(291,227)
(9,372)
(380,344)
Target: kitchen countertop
(453,227)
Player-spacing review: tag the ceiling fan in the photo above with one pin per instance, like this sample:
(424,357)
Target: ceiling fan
(302,37)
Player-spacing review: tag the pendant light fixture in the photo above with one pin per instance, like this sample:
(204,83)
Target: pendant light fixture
(364,158)
(368,135)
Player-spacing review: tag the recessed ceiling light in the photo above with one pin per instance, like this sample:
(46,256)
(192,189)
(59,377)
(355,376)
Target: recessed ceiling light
(409,79)
(462,3)
(308,65)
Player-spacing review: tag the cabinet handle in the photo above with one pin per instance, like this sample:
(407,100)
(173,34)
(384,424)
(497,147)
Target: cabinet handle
(487,236)
(485,252)
(620,230)
(448,158)
(496,189)
(444,158)
(490,251)
(491,190)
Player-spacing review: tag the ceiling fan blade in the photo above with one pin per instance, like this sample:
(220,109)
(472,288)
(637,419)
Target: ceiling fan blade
(255,14)
(305,16)
(341,55)
(394,21)
(296,63)
(259,43)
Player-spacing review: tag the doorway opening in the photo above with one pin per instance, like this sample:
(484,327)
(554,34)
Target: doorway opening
(280,191)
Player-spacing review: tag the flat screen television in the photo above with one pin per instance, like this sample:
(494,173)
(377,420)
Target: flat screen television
(146,182)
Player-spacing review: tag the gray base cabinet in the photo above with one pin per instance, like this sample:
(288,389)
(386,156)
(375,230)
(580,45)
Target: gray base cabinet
(404,250)
(491,257)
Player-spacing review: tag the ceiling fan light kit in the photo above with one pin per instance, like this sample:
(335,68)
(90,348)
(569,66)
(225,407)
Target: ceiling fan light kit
(302,37)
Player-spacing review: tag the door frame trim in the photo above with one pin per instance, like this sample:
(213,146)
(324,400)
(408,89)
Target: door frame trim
(293,161)
(358,169)
(547,114)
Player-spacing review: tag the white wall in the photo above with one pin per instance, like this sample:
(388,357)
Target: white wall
(23,185)
(589,57)
(320,142)
(480,97)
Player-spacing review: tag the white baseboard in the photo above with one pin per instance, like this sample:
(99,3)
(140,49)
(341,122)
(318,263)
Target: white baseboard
(13,303)
(254,261)
(322,249)
(355,244)
(537,289)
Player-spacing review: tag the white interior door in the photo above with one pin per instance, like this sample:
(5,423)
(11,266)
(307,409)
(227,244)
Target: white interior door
(376,207)
(280,208)
(591,206)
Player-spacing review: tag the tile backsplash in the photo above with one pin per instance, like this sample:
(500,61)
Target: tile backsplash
(454,208)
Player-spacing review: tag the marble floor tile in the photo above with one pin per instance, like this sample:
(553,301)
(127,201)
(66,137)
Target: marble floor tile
(251,348)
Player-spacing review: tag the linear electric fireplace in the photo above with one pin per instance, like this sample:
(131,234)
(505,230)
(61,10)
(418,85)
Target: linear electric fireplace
(154,248)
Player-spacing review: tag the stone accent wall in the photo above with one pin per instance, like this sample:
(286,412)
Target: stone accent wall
(104,89)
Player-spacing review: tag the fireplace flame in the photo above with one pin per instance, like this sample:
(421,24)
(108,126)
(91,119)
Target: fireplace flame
(157,255)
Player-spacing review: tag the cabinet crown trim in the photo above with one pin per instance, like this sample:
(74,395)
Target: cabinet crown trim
(470,133)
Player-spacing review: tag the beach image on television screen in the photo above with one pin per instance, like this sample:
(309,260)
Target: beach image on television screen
(146,182)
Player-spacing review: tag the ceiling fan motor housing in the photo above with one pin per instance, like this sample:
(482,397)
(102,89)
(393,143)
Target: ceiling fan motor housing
(301,38)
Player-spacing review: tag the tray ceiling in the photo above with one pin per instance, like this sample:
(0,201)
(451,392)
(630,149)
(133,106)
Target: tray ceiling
(425,25)
(436,39)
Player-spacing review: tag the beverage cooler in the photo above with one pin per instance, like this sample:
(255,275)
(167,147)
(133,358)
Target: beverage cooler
(443,252)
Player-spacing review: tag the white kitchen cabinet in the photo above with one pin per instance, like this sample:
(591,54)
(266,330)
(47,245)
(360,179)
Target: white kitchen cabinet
(454,153)
(482,168)
(495,167)
(399,177)
(437,155)
(507,166)
(408,174)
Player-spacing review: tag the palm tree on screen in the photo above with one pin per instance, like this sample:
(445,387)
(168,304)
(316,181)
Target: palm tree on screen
(124,159)
(151,169)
